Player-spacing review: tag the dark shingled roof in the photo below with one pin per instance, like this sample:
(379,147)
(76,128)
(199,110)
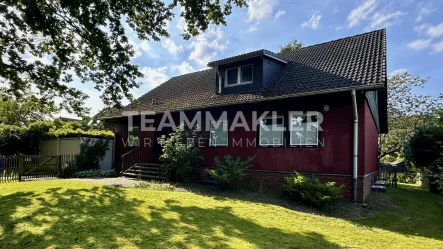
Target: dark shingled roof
(353,62)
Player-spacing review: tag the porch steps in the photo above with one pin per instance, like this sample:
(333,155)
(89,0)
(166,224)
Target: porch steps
(145,171)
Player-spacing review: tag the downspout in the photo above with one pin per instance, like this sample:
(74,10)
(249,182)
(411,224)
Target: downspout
(355,147)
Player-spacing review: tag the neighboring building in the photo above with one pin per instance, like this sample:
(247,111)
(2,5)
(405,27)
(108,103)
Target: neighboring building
(71,146)
(65,119)
(342,80)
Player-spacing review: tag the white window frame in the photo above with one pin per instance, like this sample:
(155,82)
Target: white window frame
(130,143)
(227,132)
(290,132)
(282,132)
(239,76)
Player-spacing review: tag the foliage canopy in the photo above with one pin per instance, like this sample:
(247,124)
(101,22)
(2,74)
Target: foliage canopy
(407,111)
(45,44)
(294,45)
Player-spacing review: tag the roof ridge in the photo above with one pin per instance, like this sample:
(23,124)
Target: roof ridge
(347,37)
(206,69)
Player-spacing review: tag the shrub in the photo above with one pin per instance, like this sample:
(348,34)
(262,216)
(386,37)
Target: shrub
(181,154)
(407,177)
(91,153)
(67,170)
(311,190)
(95,173)
(229,169)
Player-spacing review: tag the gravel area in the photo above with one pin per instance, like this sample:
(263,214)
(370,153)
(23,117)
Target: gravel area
(117,181)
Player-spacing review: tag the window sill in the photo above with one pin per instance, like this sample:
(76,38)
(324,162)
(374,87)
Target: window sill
(271,146)
(218,146)
(239,84)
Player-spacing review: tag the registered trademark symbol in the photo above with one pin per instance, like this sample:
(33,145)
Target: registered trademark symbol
(326,108)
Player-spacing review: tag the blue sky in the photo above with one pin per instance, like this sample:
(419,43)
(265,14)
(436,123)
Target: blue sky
(414,37)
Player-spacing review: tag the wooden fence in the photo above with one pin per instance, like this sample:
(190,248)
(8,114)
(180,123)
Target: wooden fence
(28,167)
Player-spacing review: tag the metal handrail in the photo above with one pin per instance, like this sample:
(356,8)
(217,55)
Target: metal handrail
(129,152)
(130,158)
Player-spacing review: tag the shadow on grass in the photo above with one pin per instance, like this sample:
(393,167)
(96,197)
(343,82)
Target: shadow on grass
(408,209)
(417,213)
(105,217)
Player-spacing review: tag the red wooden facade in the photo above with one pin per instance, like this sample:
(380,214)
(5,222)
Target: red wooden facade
(332,159)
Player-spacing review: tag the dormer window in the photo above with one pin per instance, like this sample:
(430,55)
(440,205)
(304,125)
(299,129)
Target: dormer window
(238,75)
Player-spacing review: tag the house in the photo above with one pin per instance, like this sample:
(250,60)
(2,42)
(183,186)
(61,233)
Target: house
(328,101)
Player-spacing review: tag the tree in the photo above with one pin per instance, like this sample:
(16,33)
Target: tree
(294,45)
(425,151)
(44,43)
(24,111)
(407,110)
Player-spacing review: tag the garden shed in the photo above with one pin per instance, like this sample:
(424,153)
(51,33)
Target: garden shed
(71,145)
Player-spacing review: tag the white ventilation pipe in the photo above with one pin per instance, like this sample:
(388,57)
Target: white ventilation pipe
(219,79)
(355,147)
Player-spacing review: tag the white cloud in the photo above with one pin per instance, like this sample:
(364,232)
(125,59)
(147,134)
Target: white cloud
(252,28)
(207,45)
(146,48)
(421,27)
(398,71)
(437,47)
(424,11)
(136,48)
(435,31)
(279,14)
(383,19)
(184,68)
(419,44)
(172,47)
(155,76)
(28,57)
(181,24)
(313,22)
(335,11)
(259,10)
(362,12)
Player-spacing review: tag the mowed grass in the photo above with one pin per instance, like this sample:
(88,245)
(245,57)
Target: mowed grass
(74,214)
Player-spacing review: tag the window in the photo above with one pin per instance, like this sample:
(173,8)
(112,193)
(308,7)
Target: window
(232,76)
(133,136)
(271,131)
(304,130)
(239,75)
(218,136)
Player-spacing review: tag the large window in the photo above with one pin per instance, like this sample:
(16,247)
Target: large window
(304,130)
(218,135)
(133,136)
(238,75)
(271,131)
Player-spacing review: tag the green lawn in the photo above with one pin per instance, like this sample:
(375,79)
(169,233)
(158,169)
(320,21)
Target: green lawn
(71,214)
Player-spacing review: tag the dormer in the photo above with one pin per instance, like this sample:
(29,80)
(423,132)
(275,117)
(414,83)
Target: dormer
(246,72)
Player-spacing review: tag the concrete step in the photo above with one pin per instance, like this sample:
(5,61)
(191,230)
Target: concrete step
(148,164)
(378,188)
(145,167)
(380,183)
(135,175)
(143,170)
